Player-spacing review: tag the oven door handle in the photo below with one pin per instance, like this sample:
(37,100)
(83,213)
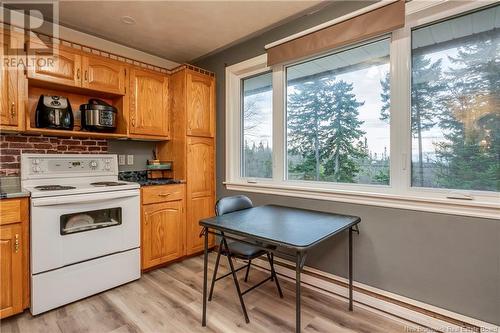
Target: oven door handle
(83,198)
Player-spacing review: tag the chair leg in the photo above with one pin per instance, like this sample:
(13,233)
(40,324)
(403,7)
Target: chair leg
(270,258)
(235,278)
(215,272)
(248,270)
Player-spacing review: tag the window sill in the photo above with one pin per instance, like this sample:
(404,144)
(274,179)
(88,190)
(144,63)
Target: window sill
(472,208)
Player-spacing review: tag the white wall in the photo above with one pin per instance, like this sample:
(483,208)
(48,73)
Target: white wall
(100,44)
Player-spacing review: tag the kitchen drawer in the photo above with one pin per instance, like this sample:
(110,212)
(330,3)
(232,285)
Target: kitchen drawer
(10,211)
(162,193)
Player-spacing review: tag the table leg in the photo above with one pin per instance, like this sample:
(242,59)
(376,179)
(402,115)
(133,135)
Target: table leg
(298,269)
(350,269)
(205,273)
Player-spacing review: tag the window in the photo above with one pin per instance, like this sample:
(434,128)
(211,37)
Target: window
(455,103)
(410,120)
(257,105)
(338,117)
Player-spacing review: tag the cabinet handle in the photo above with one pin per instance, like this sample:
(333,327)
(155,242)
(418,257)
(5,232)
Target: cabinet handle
(86,75)
(16,243)
(78,74)
(13,109)
(133,121)
(164,194)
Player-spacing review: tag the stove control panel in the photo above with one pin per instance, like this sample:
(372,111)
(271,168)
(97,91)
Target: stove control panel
(38,165)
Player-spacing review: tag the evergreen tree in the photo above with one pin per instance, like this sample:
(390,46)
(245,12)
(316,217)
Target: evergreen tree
(385,97)
(323,128)
(426,87)
(258,160)
(470,158)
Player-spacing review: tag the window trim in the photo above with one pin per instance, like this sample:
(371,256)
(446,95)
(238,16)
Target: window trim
(399,193)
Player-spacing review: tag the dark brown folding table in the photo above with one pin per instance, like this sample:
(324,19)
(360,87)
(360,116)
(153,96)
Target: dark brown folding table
(288,232)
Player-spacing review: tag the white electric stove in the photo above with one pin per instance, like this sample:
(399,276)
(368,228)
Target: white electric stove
(85,227)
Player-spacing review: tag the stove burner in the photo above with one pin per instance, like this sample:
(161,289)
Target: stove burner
(102,184)
(54,187)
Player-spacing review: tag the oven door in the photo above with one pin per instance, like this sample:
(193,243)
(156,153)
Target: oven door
(75,228)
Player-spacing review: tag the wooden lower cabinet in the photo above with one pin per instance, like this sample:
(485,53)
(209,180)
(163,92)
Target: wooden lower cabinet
(11,270)
(170,228)
(163,224)
(198,208)
(200,189)
(14,271)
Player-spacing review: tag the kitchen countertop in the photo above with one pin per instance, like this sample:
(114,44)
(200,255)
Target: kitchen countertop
(141,177)
(10,187)
(152,182)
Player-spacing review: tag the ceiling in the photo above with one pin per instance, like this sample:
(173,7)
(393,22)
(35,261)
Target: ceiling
(179,30)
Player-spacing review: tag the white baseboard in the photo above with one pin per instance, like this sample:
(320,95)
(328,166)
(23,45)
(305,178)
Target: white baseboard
(408,311)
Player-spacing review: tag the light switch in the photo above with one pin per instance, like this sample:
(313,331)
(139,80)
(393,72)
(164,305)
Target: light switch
(121,159)
(130,159)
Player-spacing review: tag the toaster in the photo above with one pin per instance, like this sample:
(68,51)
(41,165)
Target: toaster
(54,112)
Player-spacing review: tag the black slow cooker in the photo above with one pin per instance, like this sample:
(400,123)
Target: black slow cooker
(97,115)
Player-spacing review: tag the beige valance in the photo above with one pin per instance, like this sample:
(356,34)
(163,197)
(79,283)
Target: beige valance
(370,24)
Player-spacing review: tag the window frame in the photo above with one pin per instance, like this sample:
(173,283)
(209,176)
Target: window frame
(283,109)
(399,193)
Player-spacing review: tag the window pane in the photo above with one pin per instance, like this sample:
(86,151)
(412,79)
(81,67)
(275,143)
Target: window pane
(455,103)
(338,117)
(257,126)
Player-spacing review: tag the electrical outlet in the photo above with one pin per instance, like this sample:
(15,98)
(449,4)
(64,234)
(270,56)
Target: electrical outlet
(121,159)
(130,159)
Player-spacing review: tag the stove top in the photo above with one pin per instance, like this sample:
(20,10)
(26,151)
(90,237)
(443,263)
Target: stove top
(73,187)
(47,175)
(54,187)
(102,184)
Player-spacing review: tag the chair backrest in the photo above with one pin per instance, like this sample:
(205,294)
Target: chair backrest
(232,204)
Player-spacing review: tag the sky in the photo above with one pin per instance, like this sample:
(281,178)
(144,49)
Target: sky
(364,81)
(367,88)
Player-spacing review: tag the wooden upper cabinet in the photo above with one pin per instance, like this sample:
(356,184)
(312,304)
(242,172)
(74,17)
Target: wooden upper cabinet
(63,67)
(148,103)
(11,97)
(11,266)
(162,233)
(103,74)
(200,95)
(8,98)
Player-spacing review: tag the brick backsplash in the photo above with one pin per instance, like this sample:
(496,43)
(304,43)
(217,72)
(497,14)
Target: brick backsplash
(12,145)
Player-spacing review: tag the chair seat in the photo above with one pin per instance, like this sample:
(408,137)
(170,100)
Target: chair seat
(244,251)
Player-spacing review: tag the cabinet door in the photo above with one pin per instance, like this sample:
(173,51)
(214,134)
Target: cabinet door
(10,93)
(162,233)
(198,208)
(11,271)
(63,67)
(103,74)
(148,103)
(200,105)
(200,189)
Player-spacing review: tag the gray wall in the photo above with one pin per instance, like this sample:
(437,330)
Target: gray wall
(142,151)
(448,261)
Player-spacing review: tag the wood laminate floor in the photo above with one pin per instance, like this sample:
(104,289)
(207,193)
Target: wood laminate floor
(170,300)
